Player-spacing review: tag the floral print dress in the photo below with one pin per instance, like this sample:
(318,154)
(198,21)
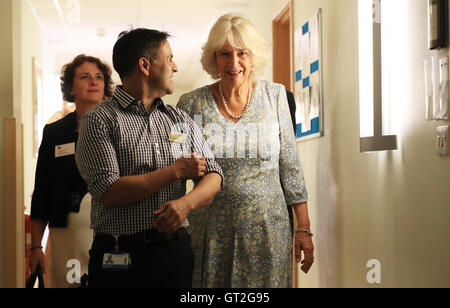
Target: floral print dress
(243,239)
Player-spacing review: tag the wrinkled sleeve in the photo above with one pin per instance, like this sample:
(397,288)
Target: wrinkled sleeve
(291,172)
(96,156)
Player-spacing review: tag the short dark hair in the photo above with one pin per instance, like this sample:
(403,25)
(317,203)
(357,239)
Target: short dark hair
(68,75)
(135,44)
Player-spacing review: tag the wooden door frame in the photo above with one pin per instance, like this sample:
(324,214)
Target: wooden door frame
(287,15)
(13,200)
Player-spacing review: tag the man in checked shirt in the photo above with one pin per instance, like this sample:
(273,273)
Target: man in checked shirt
(136,153)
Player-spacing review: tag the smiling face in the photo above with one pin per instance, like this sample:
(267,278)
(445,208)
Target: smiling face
(88,84)
(163,69)
(234,64)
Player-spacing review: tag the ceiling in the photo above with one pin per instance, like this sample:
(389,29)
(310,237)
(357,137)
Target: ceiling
(95,29)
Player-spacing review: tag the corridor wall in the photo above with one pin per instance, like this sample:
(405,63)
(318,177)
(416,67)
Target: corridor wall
(389,206)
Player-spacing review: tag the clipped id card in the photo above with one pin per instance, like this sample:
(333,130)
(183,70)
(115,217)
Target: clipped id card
(116,261)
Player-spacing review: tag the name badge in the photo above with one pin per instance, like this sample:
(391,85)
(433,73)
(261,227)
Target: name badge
(177,137)
(65,149)
(116,261)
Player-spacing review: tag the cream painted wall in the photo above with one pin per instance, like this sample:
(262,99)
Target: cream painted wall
(34,44)
(390,206)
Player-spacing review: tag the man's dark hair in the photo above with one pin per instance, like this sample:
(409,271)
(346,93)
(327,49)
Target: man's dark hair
(133,45)
(68,76)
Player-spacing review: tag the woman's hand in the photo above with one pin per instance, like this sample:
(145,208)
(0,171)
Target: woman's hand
(303,242)
(37,257)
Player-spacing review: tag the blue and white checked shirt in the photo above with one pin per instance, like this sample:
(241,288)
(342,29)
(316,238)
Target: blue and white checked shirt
(121,138)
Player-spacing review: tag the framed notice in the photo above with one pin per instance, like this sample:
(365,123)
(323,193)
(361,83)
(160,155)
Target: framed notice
(308,78)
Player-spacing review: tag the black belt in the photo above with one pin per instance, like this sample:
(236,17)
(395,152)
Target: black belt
(147,236)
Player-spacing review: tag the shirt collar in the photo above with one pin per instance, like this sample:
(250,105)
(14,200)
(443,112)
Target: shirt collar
(125,99)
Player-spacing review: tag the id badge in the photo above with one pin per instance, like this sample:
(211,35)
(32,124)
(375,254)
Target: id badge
(65,150)
(116,260)
(178,137)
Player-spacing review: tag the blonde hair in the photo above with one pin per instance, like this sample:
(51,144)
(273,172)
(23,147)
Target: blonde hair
(240,32)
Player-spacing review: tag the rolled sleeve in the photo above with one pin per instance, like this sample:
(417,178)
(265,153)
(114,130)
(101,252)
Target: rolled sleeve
(96,156)
(291,171)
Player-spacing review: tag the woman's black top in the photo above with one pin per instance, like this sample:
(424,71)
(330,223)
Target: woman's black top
(58,188)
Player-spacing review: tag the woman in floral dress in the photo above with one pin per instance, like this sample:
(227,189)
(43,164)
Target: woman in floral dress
(243,239)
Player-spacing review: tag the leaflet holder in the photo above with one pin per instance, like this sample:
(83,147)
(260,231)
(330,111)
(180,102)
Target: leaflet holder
(436,88)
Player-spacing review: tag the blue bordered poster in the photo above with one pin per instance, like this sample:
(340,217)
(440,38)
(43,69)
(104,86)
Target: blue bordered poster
(308,79)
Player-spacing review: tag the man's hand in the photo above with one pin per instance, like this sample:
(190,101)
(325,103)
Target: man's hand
(171,215)
(190,166)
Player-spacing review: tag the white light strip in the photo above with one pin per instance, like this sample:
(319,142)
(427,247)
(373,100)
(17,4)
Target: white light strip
(371,91)
(61,16)
(36,16)
(73,12)
(63,21)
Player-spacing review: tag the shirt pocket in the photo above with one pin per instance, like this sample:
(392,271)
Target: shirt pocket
(177,143)
(168,152)
(177,150)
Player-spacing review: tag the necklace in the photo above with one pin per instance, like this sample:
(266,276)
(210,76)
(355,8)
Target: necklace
(226,106)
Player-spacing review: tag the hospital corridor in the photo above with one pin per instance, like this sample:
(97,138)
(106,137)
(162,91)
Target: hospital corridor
(276,144)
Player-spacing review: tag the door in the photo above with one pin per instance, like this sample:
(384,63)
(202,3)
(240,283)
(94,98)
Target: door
(281,26)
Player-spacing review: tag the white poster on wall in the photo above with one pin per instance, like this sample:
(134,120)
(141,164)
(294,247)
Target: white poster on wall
(308,78)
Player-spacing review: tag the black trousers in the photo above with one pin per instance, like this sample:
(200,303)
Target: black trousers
(164,264)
